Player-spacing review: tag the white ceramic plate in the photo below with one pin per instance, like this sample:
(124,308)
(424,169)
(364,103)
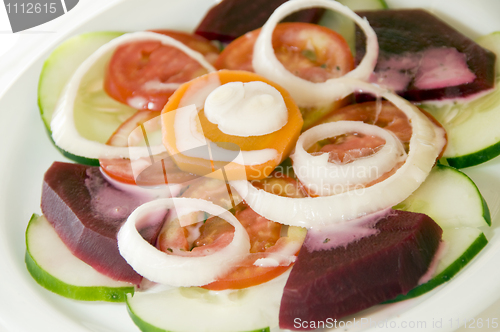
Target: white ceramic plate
(26,152)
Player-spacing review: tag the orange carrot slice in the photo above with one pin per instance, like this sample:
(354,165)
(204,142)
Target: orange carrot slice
(282,140)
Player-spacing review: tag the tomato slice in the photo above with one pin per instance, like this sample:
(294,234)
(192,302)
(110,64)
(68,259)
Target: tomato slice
(383,114)
(265,237)
(195,42)
(348,147)
(310,51)
(144,74)
(121,169)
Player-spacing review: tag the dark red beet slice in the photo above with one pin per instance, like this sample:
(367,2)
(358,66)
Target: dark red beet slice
(423,58)
(87,212)
(335,282)
(230,19)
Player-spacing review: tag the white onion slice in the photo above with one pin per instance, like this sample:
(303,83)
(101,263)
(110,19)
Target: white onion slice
(180,271)
(426,142)
(325,178)
(306,93)
(63,127)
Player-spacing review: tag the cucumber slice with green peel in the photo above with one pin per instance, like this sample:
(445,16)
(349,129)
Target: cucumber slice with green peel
(146,327)
(452,199)
(457,239)
(96,114)
(60,66)
(55,268)
(252,309)
(463,120)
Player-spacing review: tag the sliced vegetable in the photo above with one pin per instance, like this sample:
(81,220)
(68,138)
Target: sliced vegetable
(461,121)
(259,154)
(344,25)
(423,58)
(195,42)
(273,247)
(144,73)
(251,309)
(142,171)
(309,51)
(87,211)
(382,114)
(450,198)
(306,93)
(425,145)
(230,19)
(57,71)
(455,203)
(271,254)
(323,175)
(332,279)
(65,130)
(54,267)
(180,269)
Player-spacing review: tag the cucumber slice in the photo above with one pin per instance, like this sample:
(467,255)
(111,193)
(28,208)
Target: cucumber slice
(462,121)
(96,115)
(452,199)
(491,42)
(252,309)
(54,267)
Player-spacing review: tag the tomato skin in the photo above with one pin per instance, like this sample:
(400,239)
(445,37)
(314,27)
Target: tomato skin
(350,146)
(281,184)
(137,69)
(309,51)
(263,234)
(195,42)
(383,114)
(121,169)
(215,233)
(265,237)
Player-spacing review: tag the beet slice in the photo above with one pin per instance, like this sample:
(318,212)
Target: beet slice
(230,19)
(87,212)
(332,283)
(423,58)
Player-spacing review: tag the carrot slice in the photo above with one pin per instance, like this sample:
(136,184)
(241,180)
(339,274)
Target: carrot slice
(282,140)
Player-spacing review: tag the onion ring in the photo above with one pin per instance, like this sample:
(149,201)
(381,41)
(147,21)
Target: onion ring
(310,169)
(63,127)
(306,93)
(425,145)
(180,271)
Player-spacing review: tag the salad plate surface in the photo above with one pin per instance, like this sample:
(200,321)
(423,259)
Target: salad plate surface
(26,153)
